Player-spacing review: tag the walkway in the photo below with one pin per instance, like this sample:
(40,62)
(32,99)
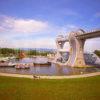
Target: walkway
(50,77)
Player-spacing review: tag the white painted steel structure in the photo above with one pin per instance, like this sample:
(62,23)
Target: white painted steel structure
(76,40)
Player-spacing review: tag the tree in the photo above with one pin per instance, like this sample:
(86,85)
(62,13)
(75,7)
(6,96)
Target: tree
(97,52)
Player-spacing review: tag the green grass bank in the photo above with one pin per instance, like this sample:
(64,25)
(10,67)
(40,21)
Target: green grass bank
(66,89)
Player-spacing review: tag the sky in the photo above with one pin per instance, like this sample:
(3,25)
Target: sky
(37,23)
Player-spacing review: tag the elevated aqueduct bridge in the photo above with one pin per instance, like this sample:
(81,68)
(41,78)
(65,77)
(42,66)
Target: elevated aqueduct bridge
(76,40)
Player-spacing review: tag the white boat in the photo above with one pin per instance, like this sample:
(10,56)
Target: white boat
(4,63)
(41,61)
(22,66)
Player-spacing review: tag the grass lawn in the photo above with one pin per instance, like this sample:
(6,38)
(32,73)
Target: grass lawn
(65,89)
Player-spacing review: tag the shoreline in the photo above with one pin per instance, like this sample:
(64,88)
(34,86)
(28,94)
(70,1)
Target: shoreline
(50,77)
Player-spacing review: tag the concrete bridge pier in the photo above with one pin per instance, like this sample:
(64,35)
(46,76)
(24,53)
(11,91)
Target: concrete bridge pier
(76,56)
(60,45)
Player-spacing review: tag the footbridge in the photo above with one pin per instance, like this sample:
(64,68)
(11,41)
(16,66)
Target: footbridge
(89,35)
(76,40)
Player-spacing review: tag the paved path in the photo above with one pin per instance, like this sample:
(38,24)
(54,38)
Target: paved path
(50,77)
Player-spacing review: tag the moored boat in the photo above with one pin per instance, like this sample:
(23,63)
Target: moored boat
(22,66)
(42,64)
(6,64)
(41,61)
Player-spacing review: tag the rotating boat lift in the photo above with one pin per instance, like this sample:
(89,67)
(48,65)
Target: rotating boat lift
(76,40)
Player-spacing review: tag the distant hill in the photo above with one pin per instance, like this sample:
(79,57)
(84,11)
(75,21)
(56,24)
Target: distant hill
(39,49)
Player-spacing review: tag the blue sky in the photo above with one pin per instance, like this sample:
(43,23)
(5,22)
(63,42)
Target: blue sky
(36,23)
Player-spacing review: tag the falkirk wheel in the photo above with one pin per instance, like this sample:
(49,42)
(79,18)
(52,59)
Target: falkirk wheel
(76,40)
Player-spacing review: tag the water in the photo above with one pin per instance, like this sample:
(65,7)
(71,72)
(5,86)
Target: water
(52,69)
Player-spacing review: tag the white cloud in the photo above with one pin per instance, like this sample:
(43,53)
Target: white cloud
(47,42)
(19,26)
(92,44)
(29,26)
(15,25)
(29,43)
(10,28)
(66,29)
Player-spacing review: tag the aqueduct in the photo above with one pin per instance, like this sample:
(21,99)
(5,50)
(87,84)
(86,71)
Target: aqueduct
(76,40)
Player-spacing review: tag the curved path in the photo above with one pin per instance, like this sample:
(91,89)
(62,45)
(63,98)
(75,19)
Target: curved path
(50,77)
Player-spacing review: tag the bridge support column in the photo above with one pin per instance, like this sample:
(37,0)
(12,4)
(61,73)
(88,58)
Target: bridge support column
(59,46)
(76,57)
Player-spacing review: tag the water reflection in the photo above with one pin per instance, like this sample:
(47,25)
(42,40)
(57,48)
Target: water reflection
(52,69)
